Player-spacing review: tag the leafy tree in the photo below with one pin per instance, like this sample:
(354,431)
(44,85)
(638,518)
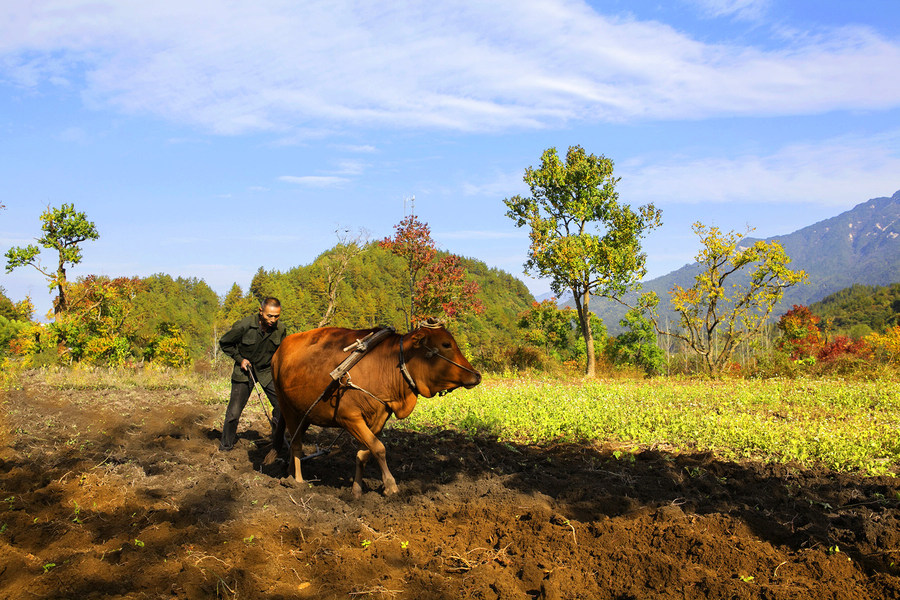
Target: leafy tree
(168,347)
(98,326)
(261,286)
(582,238)
(235,306)
(15,311)
(437,288)
(842,347)
(800,335)
(637,345)
(445,291)
(413,243)
(11,329)
(183,304)
(714,321)
(549,327)
(886,345)
(64,230)
(336,267)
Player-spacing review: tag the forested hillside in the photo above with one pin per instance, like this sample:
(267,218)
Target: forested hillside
(859,310)
(179,320)
(371,293)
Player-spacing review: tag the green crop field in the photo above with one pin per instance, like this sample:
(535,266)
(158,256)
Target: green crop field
(844,425)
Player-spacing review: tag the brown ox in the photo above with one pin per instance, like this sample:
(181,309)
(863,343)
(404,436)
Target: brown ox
(379,387)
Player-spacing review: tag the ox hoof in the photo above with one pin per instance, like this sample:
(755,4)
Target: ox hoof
(390,490)
(357,491)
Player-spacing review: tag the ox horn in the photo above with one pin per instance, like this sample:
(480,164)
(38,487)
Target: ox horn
(432,323)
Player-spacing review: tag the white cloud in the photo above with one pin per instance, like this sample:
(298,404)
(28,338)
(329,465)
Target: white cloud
(350,167)
(739,9)
(362,149)
(838,172)
(314,180)
(468,66)
(502,185)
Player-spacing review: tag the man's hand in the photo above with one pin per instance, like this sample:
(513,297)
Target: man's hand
(245,365)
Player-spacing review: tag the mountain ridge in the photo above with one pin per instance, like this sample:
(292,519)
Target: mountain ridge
(857,246)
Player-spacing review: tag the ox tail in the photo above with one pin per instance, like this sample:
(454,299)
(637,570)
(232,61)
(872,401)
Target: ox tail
(277,442)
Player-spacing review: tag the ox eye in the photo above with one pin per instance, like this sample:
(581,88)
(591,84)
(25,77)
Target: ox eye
(447,345)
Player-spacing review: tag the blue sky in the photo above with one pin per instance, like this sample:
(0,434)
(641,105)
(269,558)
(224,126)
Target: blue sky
(207,139)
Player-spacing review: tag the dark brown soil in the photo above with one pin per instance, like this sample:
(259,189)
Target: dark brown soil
(123,494)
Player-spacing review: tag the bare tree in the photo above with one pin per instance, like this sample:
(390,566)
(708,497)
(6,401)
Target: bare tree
(336,265)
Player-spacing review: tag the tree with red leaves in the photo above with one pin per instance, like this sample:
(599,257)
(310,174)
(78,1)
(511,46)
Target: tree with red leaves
(800,332)
(438,288)
(445,290)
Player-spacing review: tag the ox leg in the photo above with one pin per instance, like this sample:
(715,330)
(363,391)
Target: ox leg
(362,458)
(297,451)
(373,447)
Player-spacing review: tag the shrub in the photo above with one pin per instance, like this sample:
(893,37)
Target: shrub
(169,348)
(886,346)
(801,337)
(842,346)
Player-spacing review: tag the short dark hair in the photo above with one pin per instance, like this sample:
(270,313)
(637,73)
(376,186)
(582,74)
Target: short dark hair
(271,301)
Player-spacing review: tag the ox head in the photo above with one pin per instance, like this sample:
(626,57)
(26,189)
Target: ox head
(435,361)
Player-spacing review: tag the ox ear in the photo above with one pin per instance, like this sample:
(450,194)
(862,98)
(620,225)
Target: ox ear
(416,337)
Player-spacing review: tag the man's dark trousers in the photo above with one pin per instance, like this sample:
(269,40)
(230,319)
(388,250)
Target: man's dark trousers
(240,393)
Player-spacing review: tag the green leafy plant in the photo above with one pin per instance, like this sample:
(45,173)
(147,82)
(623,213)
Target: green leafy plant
(839,424)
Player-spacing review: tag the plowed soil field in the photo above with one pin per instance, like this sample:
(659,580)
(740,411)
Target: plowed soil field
(123,494)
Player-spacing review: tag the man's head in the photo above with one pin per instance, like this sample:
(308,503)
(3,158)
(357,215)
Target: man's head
(269,311)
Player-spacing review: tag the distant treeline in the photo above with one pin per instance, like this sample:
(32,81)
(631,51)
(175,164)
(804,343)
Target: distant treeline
(370,294)
(859,310)
(125,319)
(178,321)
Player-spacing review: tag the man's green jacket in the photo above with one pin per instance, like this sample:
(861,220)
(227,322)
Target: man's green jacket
(246,340)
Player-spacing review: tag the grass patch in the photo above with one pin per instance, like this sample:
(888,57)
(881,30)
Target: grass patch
(844,425)
(208,388)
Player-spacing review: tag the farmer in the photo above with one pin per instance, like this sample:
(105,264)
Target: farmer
(251,342)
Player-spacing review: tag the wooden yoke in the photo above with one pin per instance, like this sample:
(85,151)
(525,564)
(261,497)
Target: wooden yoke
(360,347)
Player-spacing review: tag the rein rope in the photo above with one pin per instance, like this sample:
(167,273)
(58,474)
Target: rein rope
(258,395)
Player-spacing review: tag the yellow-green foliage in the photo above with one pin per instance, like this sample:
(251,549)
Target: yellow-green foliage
(840,424)
(887,344)
(208,388)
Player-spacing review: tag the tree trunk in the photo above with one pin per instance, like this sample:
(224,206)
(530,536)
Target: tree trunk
(582,306)
(62,304)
